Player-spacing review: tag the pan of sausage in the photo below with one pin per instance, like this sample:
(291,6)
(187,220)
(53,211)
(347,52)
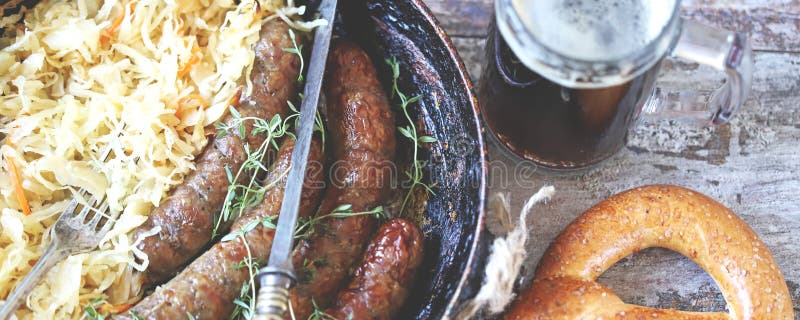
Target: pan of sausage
(393,198)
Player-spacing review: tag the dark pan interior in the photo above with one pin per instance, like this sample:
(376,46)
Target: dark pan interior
(456,243)
(453,219)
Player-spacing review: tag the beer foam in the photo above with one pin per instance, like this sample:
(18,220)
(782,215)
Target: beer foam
(595,29)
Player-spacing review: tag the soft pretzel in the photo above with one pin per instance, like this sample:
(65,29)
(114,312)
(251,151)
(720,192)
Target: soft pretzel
(670,217)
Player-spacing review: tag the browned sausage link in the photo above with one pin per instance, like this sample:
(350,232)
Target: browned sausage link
(361,128)
(207,287)
(187,217)
(381,283)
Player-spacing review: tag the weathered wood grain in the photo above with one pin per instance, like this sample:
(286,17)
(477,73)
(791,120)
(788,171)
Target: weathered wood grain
(751,165)
(774,25)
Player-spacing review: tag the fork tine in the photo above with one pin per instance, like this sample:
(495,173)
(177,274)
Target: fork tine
(91,203)
(107,226)
(109,147)
(70,209)
(98,215)
(111,221)
(82,215)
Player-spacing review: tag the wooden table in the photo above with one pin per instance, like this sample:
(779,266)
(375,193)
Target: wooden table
(751,165)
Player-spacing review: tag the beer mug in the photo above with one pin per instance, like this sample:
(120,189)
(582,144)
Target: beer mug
(565,80)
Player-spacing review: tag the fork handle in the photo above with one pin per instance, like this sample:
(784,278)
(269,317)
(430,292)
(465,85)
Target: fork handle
(49,259)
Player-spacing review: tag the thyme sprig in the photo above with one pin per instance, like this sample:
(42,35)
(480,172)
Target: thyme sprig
(242,196)
(319,126)
(414,175)
(308,227)
(268,222)
(298,50)
(246,302)
(318,314)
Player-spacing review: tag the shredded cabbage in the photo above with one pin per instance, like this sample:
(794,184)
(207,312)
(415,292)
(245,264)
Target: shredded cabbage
(79,75)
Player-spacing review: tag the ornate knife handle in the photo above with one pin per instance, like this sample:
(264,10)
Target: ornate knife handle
(273,296)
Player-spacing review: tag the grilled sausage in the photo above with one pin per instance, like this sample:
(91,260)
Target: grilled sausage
(361,128)
(381,283)
(187,217)
(207,287)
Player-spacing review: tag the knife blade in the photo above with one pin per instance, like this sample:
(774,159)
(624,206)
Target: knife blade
(278,276)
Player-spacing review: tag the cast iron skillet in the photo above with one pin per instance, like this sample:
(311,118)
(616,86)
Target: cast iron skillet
(456,243)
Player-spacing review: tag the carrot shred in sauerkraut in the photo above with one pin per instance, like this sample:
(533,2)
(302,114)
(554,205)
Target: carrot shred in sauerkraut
(115,309)
(18,190)
(186,68)
(192,96)
(109,32)
(146,77)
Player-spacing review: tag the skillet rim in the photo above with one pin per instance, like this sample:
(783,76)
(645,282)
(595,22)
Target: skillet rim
(466,83)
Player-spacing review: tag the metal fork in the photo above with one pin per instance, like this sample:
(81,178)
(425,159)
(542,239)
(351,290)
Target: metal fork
(71,234)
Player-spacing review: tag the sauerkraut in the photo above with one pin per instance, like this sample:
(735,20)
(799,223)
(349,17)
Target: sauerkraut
(145,77)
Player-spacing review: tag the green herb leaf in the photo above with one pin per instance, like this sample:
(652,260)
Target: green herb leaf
(343,208)
(427,139)
(135,315)
(405,132)
(275,123)
(235,113)
(89,311)
(413,99)
(229,174)
(241,303)
(269,222)
(414,174)
(403,99)
(298,50)
(249,193)
(229,237)
(241,131)
(395,67)
(318,314)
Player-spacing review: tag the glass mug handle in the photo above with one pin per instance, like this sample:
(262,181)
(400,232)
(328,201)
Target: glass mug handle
(721,49)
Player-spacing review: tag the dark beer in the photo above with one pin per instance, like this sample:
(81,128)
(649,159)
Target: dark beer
(564,80)
(552,125)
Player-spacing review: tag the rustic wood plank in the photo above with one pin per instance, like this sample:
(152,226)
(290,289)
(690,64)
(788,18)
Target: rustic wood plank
(463,18)
(751,165)
(773,24)
(772,29)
